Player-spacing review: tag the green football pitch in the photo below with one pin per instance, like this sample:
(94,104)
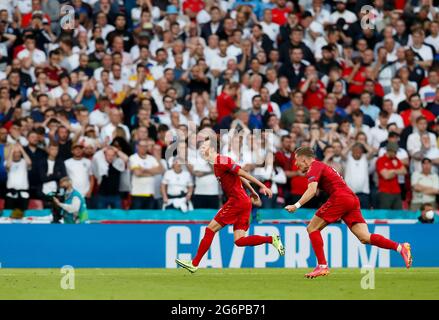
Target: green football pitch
(271,284)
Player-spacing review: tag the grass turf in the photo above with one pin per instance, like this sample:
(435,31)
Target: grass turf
(416,283)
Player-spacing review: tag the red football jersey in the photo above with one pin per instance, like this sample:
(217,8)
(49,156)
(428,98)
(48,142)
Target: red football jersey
(226,171)
(328,178)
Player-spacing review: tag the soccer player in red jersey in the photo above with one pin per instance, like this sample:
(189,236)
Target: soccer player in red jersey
(342,204)
(235,211)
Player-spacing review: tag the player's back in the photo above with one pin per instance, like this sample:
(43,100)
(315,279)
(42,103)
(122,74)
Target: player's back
(226,171)
(329,180)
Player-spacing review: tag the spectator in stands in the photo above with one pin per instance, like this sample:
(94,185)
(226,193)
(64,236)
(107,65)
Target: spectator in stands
(108,165)
(177,187)
(18,164)
(51,170)
(425,186)
(37,156)
(415,106)
(428,92)
(367,107)
(143,168)
(426,210)
(414,143)
(356,173)
(73,207)
(401,154)
(379,133)
(206,189)
(388,168)
(80,172)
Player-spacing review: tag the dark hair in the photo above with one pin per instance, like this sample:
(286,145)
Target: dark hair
(383,113)
(162,127)
(54,52)
(426,160)
(414,95)
(393,134)
(420,118)
(357,113)
(425,205)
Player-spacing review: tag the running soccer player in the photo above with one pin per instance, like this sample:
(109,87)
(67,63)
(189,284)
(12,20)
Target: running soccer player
(342,204)
(235,211)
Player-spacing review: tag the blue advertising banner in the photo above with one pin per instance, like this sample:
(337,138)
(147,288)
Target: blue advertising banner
(158,245)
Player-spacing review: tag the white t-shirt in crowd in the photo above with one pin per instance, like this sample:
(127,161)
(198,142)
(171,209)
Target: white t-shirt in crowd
(428,94)
(79,171)
(38,56)
(246,100)
(414,143)
(17,176)
(347,15)
(425,52)
(395,97)
(178,183)
(57,92)
(24,6)
(99,118)
(210,55)
(270,29)
(357,174)
(234,51)
(396,119)
(142,186)
(220,63)
(378,135)
(432,180)
(433,41)
(108,130)
(206,185)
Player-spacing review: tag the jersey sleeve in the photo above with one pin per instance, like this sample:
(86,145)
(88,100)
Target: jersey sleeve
(380,166)
(227,164)
(314,172)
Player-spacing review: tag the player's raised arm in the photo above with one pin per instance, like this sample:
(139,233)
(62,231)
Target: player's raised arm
(264,190)
(308,195)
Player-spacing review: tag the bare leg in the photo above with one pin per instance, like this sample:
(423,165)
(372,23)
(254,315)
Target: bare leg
(361,231)
(315,224)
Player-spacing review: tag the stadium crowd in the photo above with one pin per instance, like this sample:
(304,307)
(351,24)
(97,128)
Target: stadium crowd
(102,97)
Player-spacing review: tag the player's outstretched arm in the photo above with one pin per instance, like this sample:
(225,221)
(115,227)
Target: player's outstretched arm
(244,174)
(308,195)
(254,195)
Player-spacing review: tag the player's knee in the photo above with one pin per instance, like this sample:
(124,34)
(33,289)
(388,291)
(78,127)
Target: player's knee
(364,239)
(310,229)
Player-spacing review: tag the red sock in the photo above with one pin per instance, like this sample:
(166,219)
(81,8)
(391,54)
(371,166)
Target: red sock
(317,245)
(253,241)
(380,241)
(204,246)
